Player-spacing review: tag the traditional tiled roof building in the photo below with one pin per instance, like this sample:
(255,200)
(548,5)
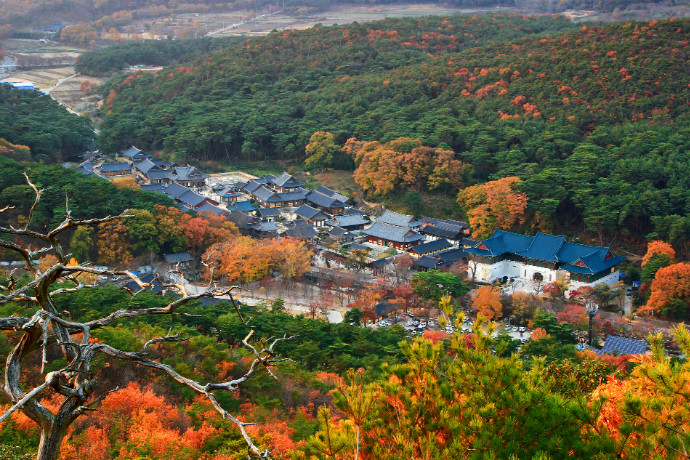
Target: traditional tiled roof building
(542,258)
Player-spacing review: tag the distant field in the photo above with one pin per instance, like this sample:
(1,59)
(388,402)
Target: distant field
(199,24)
(348,14)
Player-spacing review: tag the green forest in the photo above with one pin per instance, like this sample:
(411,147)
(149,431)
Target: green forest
(88,196)
(107,61)
(37,121)
(593,119)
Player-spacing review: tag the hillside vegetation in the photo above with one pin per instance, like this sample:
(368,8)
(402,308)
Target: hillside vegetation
(33,119)
(107,61)
(270,95)
(594,121)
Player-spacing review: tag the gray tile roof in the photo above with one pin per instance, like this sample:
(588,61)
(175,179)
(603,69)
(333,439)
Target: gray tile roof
(297,223)
(242,220)
(286,180)
(332,193)
(354,212)
(325,190)
(267,227)
(392,233)
(469,242)
(310,213)
(442,232)
(431,246)
(446,223)
(339,232)
(354,220)
(208,207)
(401,220)
(145,165)
(175,190)
(251,186)
(265,194)
(451,255)
(325,201)
(131,152)
(269,212)
(155,286)
(178,257)
(623,346)
(153,187)
(188,173)
(191,198)
(301,233)
(298,194)
(237,186)
(158,174)
(115,167)
(427,262)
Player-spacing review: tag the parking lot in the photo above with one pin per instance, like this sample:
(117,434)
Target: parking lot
(417,326)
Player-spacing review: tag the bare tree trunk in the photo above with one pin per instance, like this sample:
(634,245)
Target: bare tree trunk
(51,439)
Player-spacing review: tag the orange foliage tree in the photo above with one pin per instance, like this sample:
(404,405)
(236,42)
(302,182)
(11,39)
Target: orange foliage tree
(367,299)
(659,247)
(243,259)
(487,302)
(670,291)
(206,230)
(135,422)
(125,182)
(405,162)
(113,246)
(647,414)
(575,315)
(493,205)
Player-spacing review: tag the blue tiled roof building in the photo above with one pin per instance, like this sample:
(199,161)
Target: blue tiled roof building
(542,258)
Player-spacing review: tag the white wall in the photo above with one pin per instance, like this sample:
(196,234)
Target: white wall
(610,279)
(490,273)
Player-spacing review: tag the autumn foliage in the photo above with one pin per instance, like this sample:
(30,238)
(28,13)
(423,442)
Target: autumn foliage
(13,151)
(487,302)
(405,162)
(670,290)
(646,414)
(243,259)
(495,204)
(206,230)
(661,248)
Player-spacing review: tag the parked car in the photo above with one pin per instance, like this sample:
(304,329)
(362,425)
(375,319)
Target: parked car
(523,329)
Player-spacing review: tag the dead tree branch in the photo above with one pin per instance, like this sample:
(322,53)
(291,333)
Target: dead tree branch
(47,326)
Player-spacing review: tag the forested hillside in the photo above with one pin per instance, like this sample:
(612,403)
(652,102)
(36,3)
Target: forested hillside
(268,97)
(592,120)
(89,196)
(33,119)
(109,60)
